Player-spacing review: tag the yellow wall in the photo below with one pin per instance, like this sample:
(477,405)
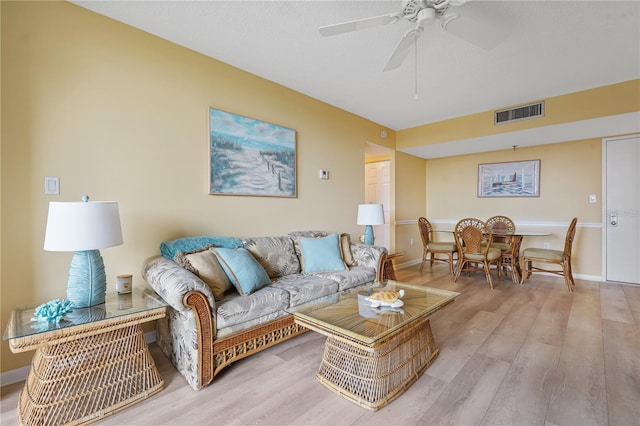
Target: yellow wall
(569,173)
(122,115)
(411,195)
(599,102)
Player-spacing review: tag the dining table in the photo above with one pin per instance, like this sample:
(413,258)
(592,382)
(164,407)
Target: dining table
(516,237)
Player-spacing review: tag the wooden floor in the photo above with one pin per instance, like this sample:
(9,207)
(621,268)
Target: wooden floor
(516,355)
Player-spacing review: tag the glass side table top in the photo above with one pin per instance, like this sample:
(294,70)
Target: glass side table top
(141,299)
(349,314)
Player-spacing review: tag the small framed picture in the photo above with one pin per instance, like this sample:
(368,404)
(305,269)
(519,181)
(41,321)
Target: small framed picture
(512,179)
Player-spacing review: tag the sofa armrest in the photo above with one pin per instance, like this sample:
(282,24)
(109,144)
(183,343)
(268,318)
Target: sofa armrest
(172,282)
(206,326)
(371,256)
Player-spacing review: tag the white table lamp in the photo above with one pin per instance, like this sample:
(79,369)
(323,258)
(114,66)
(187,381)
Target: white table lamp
(369,215)
(84,227)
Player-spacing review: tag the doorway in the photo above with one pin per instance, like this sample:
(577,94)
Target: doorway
(378,188)
(621,209)
(378,191)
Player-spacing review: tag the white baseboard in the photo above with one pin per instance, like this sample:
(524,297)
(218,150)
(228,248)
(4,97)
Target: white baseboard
(14,376)
(20,374)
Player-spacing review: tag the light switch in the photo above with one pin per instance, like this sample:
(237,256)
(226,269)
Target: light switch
(324,174)
(51,185)
(592,199)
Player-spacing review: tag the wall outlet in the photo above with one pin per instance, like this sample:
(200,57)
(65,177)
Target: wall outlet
(592,199)
(411,242)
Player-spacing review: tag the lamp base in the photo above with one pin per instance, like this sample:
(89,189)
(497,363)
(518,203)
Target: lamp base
(368,235)
(87,283)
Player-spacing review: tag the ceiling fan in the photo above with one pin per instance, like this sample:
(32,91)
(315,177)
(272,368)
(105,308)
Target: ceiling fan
(421,13)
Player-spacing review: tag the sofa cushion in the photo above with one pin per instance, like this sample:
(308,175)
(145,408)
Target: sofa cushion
(321,254)
(169,249)
(243,270)
(204,263)
(355,276)
(305,288)
(237,309)
(276,254)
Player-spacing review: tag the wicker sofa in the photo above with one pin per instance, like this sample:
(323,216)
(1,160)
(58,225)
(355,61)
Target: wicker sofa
(207,329)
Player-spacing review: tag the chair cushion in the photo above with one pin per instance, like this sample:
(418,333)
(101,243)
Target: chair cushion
(492,254)
(443,246)
(544,254)
(501,246)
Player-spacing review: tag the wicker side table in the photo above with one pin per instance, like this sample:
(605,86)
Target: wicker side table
(92,364)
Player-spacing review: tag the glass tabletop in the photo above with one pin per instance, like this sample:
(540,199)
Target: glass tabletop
(350,314)
(141,299)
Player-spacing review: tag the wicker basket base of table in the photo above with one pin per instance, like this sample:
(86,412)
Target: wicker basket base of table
(82,380)
(372,376)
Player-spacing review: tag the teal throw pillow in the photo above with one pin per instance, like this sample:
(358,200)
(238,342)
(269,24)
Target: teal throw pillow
(243,270)
(322,254)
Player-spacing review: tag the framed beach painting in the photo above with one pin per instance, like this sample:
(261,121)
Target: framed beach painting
(512,179)
(250,157)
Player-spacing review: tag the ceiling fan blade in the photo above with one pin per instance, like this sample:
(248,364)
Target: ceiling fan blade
(360,24)
(402,50)
(481,33)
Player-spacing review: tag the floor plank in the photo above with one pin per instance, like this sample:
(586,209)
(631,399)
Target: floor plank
(615,306)
(523,397)
(622,370)
(468,396)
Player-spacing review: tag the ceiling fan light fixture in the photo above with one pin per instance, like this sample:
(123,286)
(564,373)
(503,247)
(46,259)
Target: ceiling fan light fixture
(426,16)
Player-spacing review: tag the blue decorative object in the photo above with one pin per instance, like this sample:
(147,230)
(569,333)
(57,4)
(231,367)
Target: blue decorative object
(87,283)
(368,235)
(53,311)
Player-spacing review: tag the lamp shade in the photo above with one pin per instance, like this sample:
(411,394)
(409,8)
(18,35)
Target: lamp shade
(370,214)
(78,226)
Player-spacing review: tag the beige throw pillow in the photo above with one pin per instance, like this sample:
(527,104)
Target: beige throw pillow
(204,264)
(345,248)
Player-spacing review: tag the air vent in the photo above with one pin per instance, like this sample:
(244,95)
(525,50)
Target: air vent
(523,112)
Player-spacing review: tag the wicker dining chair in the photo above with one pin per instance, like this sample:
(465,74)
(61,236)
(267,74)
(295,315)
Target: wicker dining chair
(434,248)
(504,224)
(561,258)
(473,239)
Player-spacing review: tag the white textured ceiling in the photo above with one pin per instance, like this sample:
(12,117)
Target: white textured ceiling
(553,48)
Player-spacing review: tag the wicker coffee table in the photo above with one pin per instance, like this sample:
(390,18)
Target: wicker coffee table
(373,354)
(90,365)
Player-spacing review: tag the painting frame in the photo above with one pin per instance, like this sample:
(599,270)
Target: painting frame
(509,179)
(251,157)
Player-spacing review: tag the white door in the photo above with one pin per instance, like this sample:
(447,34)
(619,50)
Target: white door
(622,208)
(378,190)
